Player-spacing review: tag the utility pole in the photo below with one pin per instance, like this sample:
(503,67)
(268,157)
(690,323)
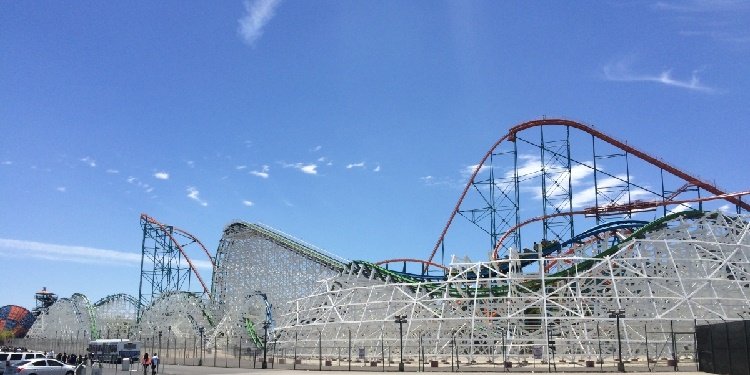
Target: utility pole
(400,320)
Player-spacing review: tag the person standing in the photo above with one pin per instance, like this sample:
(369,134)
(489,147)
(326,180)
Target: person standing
(154,364)
(146,362)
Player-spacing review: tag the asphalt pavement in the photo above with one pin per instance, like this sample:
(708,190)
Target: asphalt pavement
(205,370)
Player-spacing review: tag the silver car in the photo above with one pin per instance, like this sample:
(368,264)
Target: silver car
(42,367)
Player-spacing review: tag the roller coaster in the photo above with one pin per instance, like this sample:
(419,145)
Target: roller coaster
(571,223)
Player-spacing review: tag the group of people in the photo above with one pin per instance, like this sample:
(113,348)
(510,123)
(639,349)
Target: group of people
(152,362)
(71,359)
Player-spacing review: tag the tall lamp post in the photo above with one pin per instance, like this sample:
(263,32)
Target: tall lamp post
(617,314)
(200,361)
(266,325)
(400,320)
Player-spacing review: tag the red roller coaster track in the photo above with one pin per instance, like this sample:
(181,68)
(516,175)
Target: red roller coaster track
(511,136)
(182,251)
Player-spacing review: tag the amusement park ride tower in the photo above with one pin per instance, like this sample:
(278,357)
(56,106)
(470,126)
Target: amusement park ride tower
(44,299)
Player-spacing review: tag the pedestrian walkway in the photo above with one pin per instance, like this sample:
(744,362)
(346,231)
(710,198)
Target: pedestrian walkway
(203,370)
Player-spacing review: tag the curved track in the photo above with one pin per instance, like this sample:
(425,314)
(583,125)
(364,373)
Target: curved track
(169,233)
(512,136)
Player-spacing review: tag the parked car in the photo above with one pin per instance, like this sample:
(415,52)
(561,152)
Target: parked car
(42,367)
(16,357)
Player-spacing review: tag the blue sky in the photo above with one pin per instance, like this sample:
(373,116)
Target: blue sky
(324,119)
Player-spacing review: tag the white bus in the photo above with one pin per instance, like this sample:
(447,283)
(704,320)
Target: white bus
(114,350)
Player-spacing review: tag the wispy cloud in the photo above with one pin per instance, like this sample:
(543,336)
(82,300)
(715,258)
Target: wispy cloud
(190,164)
(112,171)
(376,169)
(6,162)
(61,189)
(135,181)
(194,194)
(89,161)
(262,173)
(76,254)
(240,167)
(437,181)
(258,13)
(621,71)
(325,161)
(469,169)
(356,165)
(248,203)
(304,168)
(702,6)
(317,148)
(161,175)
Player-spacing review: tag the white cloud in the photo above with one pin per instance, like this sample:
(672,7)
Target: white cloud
(248,203)
(309,169)
(258,13)
(681,208)
(702,6)
(194,194)
(317,148)
(376,169)
(113,171)
(61,189)
(135,181)
(621,72)
(262,173)
(356,165)
(530,167)
(89,161)
(587,197)
(6,162)
(76,254)
(325,160)
(725,208)
(435,181)
(240,167)
(304,168)
(161,175)
(469,169)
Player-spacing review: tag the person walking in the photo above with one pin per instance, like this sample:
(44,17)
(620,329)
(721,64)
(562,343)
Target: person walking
(146,362)
(154,364)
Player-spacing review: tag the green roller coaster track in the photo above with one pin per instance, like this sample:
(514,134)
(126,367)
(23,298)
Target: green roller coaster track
(533,285)
(250,328)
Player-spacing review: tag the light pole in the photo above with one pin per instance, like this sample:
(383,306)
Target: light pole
(617,314)
(200,330)
(266,325)
(169,335)
(401,319)
(505,358)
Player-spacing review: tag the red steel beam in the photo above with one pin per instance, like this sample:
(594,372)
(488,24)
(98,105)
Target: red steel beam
(179,247)
(511,136)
